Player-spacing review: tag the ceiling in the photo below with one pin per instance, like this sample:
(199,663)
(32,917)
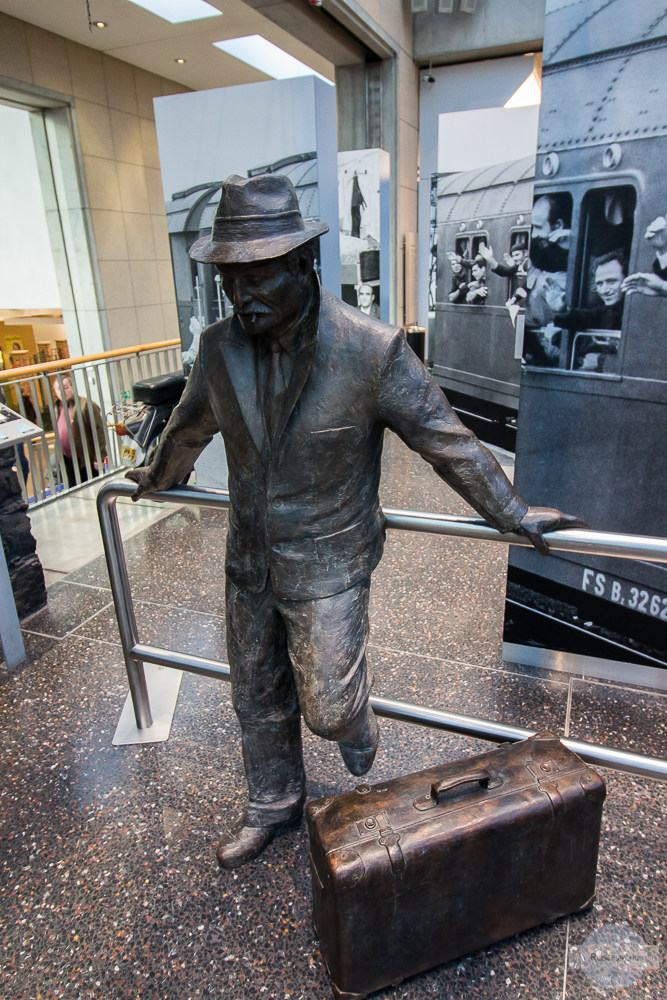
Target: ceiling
(151,43)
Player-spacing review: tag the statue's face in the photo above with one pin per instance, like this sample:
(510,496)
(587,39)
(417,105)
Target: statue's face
(268,295)
(608,280)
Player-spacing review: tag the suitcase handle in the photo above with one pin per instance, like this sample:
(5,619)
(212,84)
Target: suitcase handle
(440,787)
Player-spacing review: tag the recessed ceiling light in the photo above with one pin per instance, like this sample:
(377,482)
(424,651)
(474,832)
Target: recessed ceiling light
(257,51)
(179,10)
(180,60)
(101,24)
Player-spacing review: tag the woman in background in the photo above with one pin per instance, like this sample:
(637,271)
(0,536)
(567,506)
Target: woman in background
(83,432)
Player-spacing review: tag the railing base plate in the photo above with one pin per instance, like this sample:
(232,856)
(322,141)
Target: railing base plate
(163,685)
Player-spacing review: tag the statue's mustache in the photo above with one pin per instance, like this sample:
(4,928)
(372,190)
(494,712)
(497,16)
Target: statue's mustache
(254,307)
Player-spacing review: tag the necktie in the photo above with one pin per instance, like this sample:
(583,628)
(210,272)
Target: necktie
(275,386)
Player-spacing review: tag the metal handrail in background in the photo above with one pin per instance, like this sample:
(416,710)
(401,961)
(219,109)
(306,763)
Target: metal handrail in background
(102,379)
(136,653)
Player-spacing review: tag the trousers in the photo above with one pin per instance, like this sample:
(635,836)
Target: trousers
(290,659)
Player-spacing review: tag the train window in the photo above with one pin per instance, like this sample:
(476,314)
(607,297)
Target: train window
(462,246)
(516,256)
(519,241)
(606,229)
(595,321)
(476,240)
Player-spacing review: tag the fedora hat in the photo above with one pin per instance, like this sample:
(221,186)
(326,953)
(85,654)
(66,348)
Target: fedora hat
(257,218)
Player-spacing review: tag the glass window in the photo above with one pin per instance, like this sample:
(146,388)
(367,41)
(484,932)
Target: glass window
(476,240)
(462,246)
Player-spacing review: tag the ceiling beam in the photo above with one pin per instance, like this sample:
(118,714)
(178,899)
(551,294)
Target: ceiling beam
(336,30)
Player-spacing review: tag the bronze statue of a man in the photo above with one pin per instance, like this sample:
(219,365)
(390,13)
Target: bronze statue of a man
(302,387)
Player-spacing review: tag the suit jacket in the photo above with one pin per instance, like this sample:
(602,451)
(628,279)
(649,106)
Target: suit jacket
(657,269)
(307,512)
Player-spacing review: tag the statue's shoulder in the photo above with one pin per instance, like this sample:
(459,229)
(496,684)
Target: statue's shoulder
(217,332)
(346,321)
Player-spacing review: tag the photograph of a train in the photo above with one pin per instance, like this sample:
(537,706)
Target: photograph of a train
(548,304)
(475,341)
(593,398)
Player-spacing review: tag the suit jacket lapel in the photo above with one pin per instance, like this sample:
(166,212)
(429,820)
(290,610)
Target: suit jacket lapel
(301,368)
(239,357)
(303,361)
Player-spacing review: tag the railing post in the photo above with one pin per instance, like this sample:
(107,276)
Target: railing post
(120,588)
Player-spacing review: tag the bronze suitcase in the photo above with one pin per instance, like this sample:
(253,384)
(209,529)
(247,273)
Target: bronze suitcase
(426,868)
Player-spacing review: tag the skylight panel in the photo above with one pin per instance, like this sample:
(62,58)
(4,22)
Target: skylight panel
(177,11)
(257,51)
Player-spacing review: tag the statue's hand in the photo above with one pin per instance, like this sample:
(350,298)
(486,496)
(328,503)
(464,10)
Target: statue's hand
(538,521)
(145,483)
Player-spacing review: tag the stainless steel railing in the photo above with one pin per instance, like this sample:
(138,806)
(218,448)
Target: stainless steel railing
(136,653)
(99,380)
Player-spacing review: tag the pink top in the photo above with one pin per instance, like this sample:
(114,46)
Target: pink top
(61,427)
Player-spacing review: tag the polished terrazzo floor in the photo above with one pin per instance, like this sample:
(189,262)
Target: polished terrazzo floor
(108,883)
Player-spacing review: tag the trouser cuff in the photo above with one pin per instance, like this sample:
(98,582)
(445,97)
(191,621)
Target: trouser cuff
(274,813)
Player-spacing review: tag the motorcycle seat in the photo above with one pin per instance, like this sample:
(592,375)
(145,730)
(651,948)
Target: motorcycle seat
(159,389)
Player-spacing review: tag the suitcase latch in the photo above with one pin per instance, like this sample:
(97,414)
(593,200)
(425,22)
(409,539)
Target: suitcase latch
(388,838)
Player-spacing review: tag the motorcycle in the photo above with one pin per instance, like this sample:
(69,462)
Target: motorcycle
(140,423)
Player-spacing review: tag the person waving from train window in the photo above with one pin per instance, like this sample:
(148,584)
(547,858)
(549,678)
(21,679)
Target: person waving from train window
(477,289)
(514,268)
(588,353)
(459,286)
(655,281)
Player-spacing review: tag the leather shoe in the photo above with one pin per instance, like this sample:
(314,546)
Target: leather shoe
(242,843)
(359,760)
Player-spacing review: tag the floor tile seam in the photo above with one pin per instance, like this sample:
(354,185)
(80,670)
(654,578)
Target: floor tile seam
(634,689)
(179,607)
(87,621)
(466,663)
(42,635)
(87,586)
(76,583)
(566,958)
(92,638)
(71,635)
